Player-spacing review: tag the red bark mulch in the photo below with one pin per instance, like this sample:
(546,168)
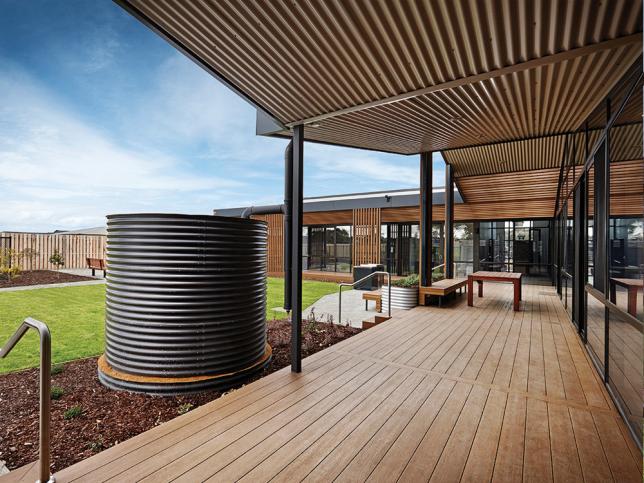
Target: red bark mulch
(109,417)
(41,277)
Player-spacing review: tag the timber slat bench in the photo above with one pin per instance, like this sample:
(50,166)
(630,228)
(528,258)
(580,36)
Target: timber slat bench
(632,285)
(96,264)
(376,296)
(441,289)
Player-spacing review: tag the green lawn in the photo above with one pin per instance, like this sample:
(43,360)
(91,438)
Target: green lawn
(75,316)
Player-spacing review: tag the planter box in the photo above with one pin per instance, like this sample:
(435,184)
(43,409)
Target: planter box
(402,298)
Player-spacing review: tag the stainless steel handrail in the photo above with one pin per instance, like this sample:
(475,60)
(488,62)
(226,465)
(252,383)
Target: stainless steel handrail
(364,279)
(45,387)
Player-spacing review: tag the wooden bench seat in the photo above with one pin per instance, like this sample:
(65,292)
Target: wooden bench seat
(441,289)
(96,264)
(372,296)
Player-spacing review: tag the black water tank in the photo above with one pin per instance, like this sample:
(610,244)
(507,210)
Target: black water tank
(186,302)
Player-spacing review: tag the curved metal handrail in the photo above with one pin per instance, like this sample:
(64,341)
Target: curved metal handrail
(364,279)
(45,387)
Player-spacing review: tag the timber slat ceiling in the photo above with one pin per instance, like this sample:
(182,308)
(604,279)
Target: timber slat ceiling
(498,109)
(539,153)
(411,76)
(519,186)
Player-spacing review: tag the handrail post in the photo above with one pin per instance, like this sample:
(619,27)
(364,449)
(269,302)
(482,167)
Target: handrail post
(45,388)
(45,404)
(389,294)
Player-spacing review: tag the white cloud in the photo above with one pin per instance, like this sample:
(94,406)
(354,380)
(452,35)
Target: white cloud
(58,172)
(95,51)
(331,163)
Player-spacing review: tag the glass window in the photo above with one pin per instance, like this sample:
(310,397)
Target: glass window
(517,246)
(400,247)
(305,248)
(595,328)
(328,248)
(463,249)
(590,233)
(625,353)
(343,249)
(626,205)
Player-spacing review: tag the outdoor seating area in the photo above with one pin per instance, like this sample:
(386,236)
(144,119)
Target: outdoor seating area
(458,393)
(441,289)
(97,264)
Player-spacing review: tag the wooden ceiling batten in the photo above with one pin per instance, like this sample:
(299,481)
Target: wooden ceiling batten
(530,65)
(413,77)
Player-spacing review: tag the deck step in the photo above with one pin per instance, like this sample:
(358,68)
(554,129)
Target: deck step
(373,321)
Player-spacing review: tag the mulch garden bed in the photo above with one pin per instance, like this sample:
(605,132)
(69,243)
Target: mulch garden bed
(108,417)
(41,277)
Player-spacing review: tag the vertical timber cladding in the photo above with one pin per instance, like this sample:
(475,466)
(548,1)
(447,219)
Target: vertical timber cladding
(366,235)
(75,248)
(275,251)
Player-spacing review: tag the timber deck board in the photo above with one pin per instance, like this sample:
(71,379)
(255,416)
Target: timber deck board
(458,393)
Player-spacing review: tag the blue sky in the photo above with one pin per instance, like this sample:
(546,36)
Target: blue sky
(99,115)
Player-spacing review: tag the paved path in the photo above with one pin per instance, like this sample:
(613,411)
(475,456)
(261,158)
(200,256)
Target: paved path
(84,272)
(352,308)
(52,285)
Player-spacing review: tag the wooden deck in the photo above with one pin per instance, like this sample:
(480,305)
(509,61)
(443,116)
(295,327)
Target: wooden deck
(454,394)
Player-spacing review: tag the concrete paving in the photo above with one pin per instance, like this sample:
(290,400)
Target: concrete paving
(353,311)
(52,285)
(83,272)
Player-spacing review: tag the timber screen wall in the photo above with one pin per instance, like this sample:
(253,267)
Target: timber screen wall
(75,249)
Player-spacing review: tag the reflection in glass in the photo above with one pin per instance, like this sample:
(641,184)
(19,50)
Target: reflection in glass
(516,246)
(625,365)
(463,249)
(329,248)
(400,247)
(595,329)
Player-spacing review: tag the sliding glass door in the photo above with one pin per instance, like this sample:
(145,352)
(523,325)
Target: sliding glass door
(329,248)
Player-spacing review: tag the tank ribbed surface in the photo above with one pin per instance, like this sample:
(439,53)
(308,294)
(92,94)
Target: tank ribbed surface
(186,298)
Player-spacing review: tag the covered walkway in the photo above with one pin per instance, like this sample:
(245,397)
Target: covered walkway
(472,394)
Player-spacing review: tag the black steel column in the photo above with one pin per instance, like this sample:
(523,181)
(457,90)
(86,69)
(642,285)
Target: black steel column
(297,198)
(449,221)
(426,219)
(288,212)
(580,260)
(476,249)
(600,219)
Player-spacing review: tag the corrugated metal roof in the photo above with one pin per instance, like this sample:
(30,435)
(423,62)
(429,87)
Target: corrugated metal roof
(499,70)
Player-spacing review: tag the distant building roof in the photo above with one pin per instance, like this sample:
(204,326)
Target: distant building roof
(97,230)
(372,199)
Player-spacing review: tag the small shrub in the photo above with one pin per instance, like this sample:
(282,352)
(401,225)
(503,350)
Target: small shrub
(10,261)
(73,412)
(57,259)
(96,446)
(184,408)
(57,369)
(411,281)
(57,392)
